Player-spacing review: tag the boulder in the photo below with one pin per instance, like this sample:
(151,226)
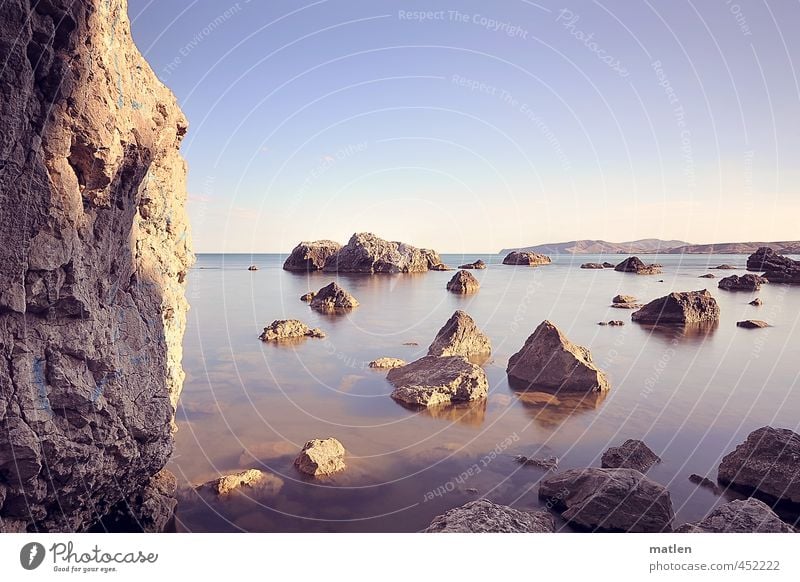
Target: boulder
(607,265)
(441,267)
(307,297)
(387,363)
(767,461)
(592,266)
(752,324)
(632,454)
(321,457)
(460,336)
(287,329)
(748,282)
(549,361)
(333,298)
(679,308)
(311,256)
(624,299)
(636,265)
(547,463)
(609,499)
(776,268)
(739,516)
(434,380)
(756,302)
(479,264)
(252,268)
(367,253)
(483,516)
(526,258)
(463,282)
(250,478)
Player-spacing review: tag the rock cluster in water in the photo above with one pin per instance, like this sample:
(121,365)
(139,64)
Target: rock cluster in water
(367,253)
(287,329)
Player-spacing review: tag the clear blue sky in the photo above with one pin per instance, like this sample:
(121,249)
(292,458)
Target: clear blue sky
(482,125)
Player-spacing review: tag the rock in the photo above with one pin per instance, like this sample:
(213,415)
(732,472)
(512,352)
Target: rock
(287,329)
(321,457)
(308,297)
(252,268)
(776,268)
(767,461)
(441,267)
(410,343)
(483,516)
(609,499)
(706,483)
(592,266)
(333,298)
(627,305)
(366,253)
(311,256)
(635,265)
(463,282)
(549,360)
(632,454)
(526,258)
(250,478)
(749,282)
(549,463)
(387,363)
(94,255)
(602,323)
(150,510)
(479,264)
(708,276)
(624,299)
(752,324)
(739,516)
(460,336)
(613,323)
(680,308)
(434,380)
(607,265)
(725,267)
(756,302)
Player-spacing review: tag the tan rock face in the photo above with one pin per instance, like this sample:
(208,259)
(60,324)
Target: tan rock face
(95,250)
(287,329)
(321,457)
(311,256)
(333,298)
(249,478)
(463,282)
(526,258)
(460,336)
(433,381)
(387,363)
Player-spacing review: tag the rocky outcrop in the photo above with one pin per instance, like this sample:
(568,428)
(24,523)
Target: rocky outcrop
(463,282)
(632,454)
(460,336)
(321,457)
(609,499)
(95,251)
(526,258)
(333,299)
(311,256)
(483,516)
(739,516)
(767,461)
(749,282)
(387,363)
(607,265)
(433,381)
(752,324)
(288,329)
(249,478)
(636,265)
(592,266)
(549,361)
(366,253)
(776,268)
(479,264)
(679,308)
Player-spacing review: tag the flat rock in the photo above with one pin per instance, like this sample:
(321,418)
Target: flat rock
(767,461)
(460,336)
(483,516)
(724,267)
(592,266)
(367,253)
(549,360)
(739,516)
(636,265)
(321,457)
(748,282)
(387,363)
(311,255)
(333,298)
(249,478)
(433,380)
(627,305)
(708,276)
(632,454)
(287,329)
(526,258)
(479,264)
(680,308)
(624,299)
(752,324)
(609,499)
(463,282)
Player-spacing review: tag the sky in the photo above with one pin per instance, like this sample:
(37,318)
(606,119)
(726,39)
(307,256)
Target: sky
(468,126)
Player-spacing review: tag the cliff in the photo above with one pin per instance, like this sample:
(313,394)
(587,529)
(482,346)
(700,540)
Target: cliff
(94,250)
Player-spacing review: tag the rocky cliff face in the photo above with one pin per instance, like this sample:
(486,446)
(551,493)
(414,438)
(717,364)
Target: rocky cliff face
(94,250)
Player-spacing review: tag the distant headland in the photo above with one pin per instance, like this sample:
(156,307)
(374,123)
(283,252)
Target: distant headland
(654,245)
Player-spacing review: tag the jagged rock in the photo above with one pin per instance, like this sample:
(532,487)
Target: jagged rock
(767,461)
(739,516)
(308,297)
(311,256)
(479,264)
(250,478)
(706,483)
(624,299)
(749,282)
(548,463)
(252,268)
(635,265)
(321,457)
(366,253)
(387,363)
(725,267)
(549,360)
(752,324)
(483,516)
(708,276)
(463,282)
(287,329)
(333,298)
(776,268)
(434,380)
(441,267)
(609,499)
(756,302)
(95,251)
(632,454)
(460,336)
(680,308)
(526,258)
(592,266)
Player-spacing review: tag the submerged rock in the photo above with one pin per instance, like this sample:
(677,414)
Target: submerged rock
(287,329)
(632,454)
(433,380)
(609,499)
(739,516)
(724,267)
(767,461)
(367,253)
(479,264)
(708,276)
(526,258)
(636,265)
(549,360)
(321,457)
(460,336)
(249,478)
(463,282)
(548,463)
(311,256)
(483,516)
(706,483)
(592,266)
(679,308)
(749,282)
(333,298)
(776,268)
(252,268)
(387,363)
(752,324)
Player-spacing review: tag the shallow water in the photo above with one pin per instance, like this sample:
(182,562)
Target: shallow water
(692,396)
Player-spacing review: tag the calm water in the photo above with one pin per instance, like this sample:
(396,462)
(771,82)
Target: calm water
(690,396)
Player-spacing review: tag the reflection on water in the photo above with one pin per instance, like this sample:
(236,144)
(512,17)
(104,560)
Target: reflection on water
(469,413)
(689,333)
(691,394)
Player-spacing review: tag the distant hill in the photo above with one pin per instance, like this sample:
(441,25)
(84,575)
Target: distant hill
(739,248)
(601,247)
